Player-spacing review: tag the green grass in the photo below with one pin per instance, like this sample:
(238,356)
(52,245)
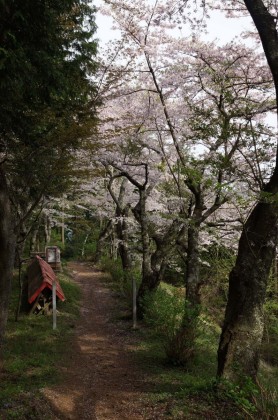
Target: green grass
(32,353)
(192,392)
(184,392)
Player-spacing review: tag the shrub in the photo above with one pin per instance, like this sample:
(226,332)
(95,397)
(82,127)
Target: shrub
(166,312)
(122,279)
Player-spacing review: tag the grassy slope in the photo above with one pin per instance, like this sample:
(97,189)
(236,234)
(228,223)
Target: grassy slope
(32,352)
(191,393)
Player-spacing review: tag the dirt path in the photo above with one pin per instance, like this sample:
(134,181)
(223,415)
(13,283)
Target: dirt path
(101,381)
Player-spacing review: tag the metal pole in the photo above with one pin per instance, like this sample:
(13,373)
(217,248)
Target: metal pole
(134,305)
(54,308)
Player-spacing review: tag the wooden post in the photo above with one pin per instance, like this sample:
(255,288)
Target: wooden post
(54,308)
(134,305)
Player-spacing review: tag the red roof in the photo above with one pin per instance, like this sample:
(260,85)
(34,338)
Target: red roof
(41,276)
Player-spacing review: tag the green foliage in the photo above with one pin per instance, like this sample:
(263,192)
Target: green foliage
(254,399)
(164,310)
(114,268)
(174,320)
(47,51)
(46,94)
(269,348)
(121,279)
(241,394)
(185,393)
(215,276)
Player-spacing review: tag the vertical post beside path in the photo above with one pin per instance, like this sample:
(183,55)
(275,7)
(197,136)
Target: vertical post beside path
(134,305)
(54,306)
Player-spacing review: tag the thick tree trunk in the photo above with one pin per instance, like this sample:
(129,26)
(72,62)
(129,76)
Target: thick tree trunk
(192,275)
(7,250)
(242,332)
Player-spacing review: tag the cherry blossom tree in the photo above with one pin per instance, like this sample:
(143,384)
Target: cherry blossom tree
(200,97)
(202,108)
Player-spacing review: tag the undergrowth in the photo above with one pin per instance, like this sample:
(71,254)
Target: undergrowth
(193,392)
(32,353)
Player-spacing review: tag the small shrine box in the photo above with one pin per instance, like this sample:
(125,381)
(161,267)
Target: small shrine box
(53,257)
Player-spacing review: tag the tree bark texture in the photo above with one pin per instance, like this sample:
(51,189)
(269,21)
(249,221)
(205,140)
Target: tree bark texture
(242,332)
(7,251)
(192,276)
(145,285)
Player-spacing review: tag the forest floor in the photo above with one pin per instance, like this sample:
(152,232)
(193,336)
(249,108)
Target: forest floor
(102,376)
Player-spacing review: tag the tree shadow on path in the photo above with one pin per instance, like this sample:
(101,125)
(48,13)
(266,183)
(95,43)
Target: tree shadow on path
(101,379)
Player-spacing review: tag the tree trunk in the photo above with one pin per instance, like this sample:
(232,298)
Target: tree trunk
(192,275)
(7,250)
(122,234)
(47,230)
(20,245)
(238,353)
(145,285)
(34,242)
(182,348)
(104,234)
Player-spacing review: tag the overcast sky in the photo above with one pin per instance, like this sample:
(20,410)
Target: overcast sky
(219,27)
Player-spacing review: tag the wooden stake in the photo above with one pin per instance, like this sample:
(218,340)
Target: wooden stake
(134,305)
(54,308)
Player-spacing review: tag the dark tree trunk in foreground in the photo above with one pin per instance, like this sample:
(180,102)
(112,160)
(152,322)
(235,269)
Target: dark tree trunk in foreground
(7,248)
(241,337)
(192,278)
(242,332)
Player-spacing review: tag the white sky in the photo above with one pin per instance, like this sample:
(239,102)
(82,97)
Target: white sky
(219,28)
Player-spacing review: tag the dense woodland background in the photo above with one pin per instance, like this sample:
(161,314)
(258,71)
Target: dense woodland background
(156,158)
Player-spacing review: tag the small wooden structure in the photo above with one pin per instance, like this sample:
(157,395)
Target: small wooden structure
(40,278)
(53,257)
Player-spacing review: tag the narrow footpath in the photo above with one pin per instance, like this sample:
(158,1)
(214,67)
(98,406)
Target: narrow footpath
(101,380)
